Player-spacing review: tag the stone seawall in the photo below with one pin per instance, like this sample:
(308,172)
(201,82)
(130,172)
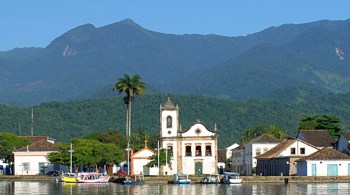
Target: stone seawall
(194,179)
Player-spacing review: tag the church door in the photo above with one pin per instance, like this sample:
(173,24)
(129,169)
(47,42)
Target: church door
(198,168)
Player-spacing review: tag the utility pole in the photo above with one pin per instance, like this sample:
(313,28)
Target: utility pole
(71,157)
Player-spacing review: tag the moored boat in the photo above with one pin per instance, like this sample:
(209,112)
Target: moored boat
(181,179)
(134,180)
(70,178)
(211,179)
(231,178)
(92,178)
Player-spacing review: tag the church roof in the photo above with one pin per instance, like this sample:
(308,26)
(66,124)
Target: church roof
(169,104)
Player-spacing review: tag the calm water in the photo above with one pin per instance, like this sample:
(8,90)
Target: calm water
(23,187)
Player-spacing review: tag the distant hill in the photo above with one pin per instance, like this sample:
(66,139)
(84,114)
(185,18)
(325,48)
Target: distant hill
(74,119)
(86,60)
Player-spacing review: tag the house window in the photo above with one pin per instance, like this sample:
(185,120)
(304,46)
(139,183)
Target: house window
(26,166)
(266,149)
(198,150)
(208,150)
(302,150)
(257,151)
(169,122)
(292,150)
(188,151)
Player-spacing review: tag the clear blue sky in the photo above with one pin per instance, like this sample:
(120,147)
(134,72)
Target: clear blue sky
(35,23)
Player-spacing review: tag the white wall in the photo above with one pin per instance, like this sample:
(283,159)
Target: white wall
(321,167)
(29,157)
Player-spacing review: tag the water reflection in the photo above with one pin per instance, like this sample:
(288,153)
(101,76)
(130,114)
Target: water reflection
(23,187)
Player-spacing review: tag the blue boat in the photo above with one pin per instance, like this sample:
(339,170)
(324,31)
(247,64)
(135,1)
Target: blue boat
(181,179)
(134,180)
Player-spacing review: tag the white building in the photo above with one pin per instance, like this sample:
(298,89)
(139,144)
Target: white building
(223,156)
(325,162)
(280,160)
(139,161)
(194,151)
(31,159)
(243,157)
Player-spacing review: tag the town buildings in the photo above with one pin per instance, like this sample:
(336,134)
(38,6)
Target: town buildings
(194,150)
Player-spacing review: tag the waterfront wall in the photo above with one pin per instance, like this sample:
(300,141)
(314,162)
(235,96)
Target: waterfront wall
(194,179)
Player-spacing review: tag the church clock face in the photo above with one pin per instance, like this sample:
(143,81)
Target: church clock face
(169,132)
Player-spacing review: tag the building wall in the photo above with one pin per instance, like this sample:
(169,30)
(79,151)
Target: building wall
(321,167)
(33,158)
(298,148)
(251,152)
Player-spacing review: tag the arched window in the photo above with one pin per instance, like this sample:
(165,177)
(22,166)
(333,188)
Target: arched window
(208,150)
(169,122)
(198,150)
(188,151)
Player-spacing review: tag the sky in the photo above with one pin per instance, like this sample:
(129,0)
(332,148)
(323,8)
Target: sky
(36,23)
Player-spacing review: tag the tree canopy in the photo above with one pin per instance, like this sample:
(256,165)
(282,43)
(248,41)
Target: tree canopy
(329,122)
(8,143)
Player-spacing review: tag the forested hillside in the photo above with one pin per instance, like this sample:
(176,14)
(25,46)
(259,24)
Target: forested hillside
(73,119)
(81,62)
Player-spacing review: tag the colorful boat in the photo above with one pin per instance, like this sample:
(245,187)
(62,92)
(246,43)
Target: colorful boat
(92,178)
(181,179)
(70,178)
(134,180)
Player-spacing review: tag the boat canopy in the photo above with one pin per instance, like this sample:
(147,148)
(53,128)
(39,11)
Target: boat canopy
(231,173)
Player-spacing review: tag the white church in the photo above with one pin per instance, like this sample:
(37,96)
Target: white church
(194,151)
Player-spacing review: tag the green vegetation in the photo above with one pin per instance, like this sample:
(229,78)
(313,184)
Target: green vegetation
(77,119)
(8,143)
(331,123)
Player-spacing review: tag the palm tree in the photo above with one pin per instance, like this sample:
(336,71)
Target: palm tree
(131,86)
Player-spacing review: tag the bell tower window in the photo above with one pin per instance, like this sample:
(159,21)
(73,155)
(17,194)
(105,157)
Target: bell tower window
(169,122)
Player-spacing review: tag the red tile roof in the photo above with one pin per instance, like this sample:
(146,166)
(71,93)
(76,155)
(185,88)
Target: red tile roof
(39,146)
(318,138)
(35,138)
(327,153)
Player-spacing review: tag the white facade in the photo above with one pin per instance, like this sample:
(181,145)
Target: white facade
(280,160)
(31,160)
(325,162)
(139,160)
(229,150)
(193,151)
(243,157)
(324,168)
(34,163)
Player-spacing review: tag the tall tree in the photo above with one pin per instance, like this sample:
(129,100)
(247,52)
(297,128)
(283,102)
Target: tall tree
(131,86)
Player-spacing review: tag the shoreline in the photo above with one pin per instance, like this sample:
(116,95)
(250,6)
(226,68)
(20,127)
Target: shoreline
(196,179)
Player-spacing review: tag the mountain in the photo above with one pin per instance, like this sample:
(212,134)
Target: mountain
(86,60)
